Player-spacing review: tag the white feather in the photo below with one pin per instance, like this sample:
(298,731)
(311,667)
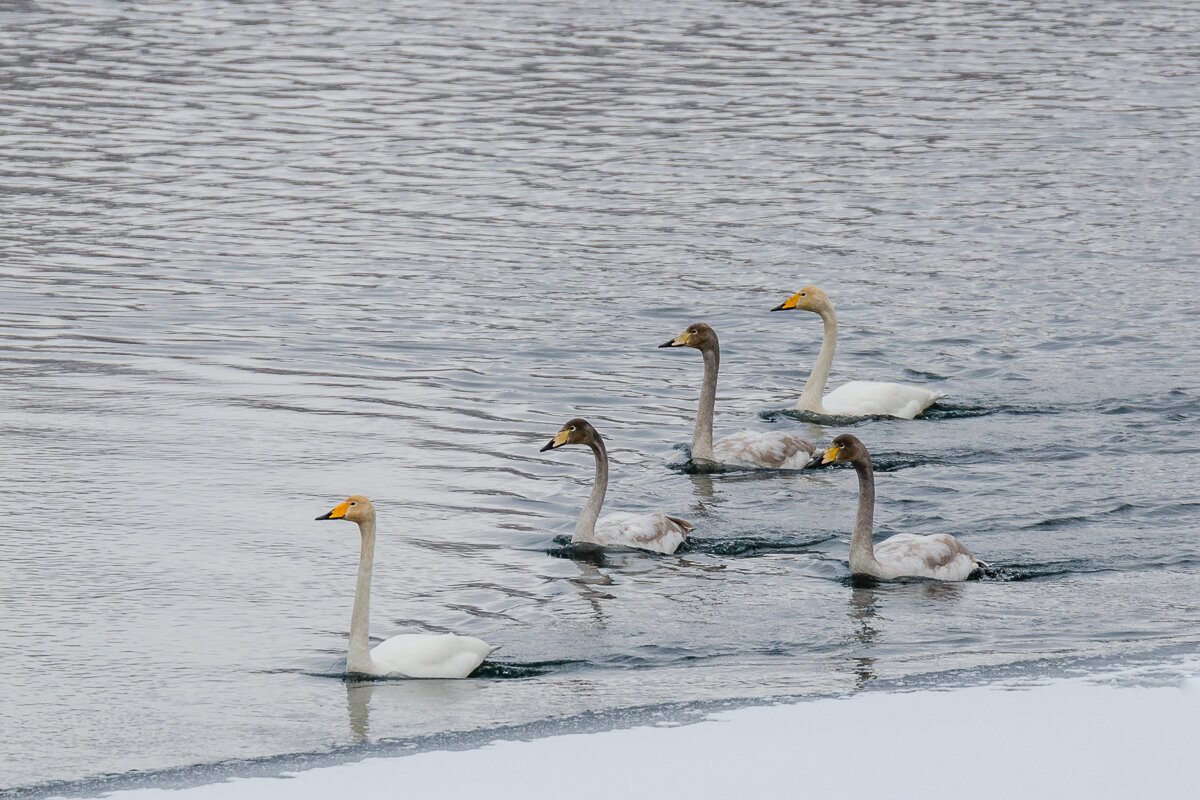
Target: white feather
(873,398)
(857,398)
(429,655)
(414,655)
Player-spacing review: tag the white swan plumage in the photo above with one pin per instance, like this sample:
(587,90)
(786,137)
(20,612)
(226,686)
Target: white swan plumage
(658,533)
(410,655)
(856,398)
(876,399)
(752,449)
(939,556)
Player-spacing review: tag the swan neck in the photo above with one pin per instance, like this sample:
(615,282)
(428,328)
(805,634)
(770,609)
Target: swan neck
(814,387)
(585,529)
(702,437)
(862,550)
(359,657)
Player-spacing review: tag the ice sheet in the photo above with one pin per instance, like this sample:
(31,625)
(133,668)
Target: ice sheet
(1070,738)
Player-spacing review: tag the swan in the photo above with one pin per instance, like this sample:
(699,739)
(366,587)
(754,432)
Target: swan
(412,655)
(768,449)
(658,533)
(939,556)
(857,398)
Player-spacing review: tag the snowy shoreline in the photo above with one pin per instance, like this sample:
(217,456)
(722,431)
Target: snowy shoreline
(1108,735)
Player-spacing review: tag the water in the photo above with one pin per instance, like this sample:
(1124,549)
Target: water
(256,257)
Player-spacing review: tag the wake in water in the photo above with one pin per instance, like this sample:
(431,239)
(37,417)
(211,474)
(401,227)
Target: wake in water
(938,411)
(736,546)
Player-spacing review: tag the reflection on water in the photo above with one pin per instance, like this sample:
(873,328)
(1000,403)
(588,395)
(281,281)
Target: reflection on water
(358,708)
(862,614)
(392,701)
(864,671)
(259,256)
(862,611)
(704,488)
(941,593)
(588,581)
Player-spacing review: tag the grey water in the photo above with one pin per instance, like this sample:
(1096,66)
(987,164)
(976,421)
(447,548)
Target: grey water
(258,256)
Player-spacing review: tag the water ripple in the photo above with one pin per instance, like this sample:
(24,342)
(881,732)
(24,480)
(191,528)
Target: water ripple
(258,256)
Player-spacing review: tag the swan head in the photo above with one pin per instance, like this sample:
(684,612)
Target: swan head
(355,508)
(844,448)
(810,298)
(575,431)
(699,336)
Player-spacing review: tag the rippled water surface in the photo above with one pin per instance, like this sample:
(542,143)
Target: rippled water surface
(255,257)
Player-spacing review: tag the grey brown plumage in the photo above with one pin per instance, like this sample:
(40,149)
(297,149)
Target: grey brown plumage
(753,449)
(658,533)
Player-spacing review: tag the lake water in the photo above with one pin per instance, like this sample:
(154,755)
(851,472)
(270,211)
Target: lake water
(256,257)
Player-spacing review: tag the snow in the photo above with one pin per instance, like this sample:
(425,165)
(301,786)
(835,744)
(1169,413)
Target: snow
(1069,738)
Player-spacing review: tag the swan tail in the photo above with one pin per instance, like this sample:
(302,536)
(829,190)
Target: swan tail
(683,523)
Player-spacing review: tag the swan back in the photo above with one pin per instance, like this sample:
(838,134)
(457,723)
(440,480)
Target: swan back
(878,399)
(939,556)
(658,533)
(763,449)
(428,655)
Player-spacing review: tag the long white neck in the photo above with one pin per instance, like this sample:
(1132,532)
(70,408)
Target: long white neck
(862,550)
(359,657)
(585,529)
(814,387)
(702,437)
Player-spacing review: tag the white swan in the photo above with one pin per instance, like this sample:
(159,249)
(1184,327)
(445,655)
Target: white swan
(769,449)
(658,533)
(413,655)
(939,556)
(857,398)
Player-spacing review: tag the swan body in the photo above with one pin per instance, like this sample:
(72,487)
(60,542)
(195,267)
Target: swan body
(750,449)
(658,533)
(857,398)
(429,655)
(762,450)
(875,399)
(938,556)
(413,655)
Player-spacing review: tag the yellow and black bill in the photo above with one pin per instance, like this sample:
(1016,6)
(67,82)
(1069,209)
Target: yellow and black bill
(338,512)
(559,440)
(678,341)
(824,458)
(788,304)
